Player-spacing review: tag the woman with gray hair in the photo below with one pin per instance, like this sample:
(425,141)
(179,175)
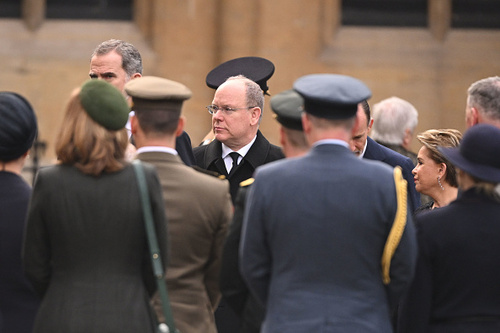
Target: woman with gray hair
(456,285)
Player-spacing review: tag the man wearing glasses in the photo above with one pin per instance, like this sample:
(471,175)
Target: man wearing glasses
(238,147)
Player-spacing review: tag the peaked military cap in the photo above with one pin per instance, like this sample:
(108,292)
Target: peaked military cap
(331,96)
(256,69)
(288,107)
(105,104)
(157,93)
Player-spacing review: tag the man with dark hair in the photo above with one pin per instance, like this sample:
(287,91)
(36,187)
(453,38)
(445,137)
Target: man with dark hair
(198,206)
(483,102)
(118,62)
(364,147)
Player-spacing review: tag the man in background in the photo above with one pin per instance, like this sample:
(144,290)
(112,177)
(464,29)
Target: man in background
(483,102)
(118,62)
(364,147)
(394,123)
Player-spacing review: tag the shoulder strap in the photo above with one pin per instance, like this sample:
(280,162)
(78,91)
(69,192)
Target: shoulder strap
(397,227)
(153,245)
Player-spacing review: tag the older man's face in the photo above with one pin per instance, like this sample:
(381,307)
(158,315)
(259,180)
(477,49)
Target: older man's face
(234,128)
(359,138)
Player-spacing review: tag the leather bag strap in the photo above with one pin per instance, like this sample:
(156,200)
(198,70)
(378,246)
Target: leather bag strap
(154,250)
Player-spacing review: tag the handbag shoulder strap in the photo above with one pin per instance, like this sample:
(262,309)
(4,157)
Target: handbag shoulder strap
(154,250)
(398,226)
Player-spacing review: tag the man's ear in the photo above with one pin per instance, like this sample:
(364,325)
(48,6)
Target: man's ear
(255,115)
(180,126)
(135,76)
(134,124)
(407,138)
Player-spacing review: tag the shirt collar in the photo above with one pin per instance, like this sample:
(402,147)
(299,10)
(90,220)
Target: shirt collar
(243,151)
(162,149)
(331,142)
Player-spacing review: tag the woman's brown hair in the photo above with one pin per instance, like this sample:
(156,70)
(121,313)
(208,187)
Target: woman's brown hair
(87,145)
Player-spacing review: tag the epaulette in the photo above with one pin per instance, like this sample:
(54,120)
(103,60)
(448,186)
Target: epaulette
(208,172)
(247,182)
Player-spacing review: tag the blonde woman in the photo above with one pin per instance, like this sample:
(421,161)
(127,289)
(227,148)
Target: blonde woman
(434,175)
(85,249)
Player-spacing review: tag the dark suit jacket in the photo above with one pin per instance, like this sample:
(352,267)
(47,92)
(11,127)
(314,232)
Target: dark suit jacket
(313,235)
(233,287)
(185,149)
(457,281)
(375,151)
(86,250)
(209,157)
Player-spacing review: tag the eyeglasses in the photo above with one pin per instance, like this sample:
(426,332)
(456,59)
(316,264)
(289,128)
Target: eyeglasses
(212,109)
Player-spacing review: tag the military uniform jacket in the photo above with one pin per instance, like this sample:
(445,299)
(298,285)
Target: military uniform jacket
(86,250)
(377,152)
(209,157)
(313,235)
(457,281)
(199,210)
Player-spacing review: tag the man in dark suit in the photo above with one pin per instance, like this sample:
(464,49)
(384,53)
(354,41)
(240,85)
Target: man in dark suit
(363,146)
(236,133)
(287,107)
(118,62)
(315,227)
(239,147)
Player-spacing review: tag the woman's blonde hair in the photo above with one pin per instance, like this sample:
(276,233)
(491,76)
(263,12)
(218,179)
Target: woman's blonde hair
(434,138)
(87,145)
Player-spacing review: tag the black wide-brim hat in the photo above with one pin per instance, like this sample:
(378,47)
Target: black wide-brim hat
(478,153)
(256,69)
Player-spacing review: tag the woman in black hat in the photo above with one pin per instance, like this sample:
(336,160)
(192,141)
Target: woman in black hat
(456,287)
(18,129)
(86,250)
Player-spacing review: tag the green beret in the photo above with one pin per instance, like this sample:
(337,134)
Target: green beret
(156,93)
(105,104)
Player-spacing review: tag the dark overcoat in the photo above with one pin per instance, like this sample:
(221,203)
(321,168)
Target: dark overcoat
(209,157)
(86,250)
(457,281)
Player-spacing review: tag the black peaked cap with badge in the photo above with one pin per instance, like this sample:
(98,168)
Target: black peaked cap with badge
(157,93)
(288,106)
(331,96)
(256,69)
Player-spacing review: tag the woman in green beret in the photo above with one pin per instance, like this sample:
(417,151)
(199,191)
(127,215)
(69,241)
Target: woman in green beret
(85,248)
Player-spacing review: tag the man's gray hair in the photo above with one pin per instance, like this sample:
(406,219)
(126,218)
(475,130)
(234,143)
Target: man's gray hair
(484,95)
(131,58)
(254,94)
(391,118)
